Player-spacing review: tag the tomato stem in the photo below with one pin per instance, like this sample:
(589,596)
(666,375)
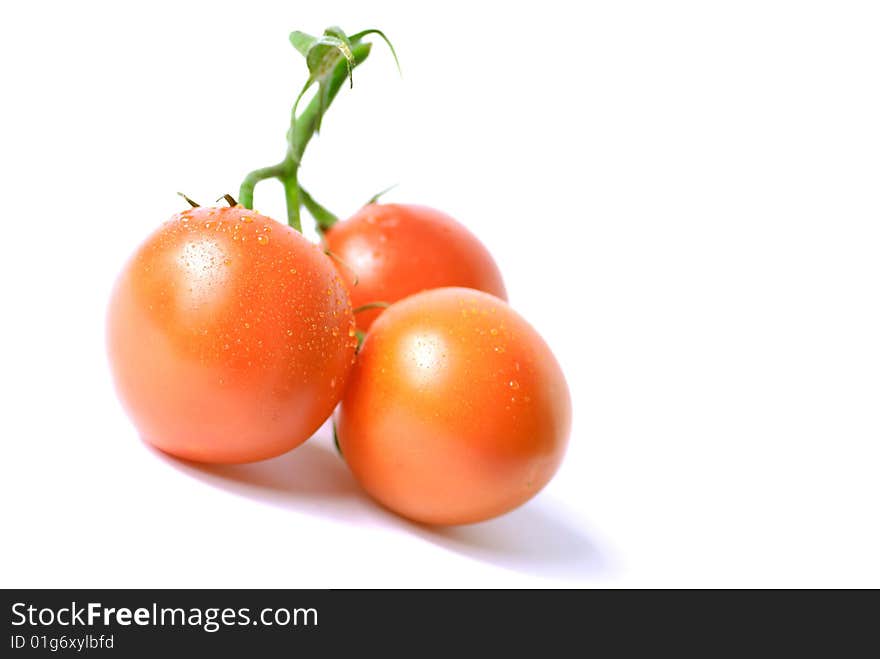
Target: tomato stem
(324,218)
(291,198)
(302,129)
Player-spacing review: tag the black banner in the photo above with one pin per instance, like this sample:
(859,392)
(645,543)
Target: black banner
(119,623)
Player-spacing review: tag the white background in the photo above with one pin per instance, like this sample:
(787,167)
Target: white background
(684,198)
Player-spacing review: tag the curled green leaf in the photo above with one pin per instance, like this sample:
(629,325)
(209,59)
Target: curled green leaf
(323,55)
(364,33)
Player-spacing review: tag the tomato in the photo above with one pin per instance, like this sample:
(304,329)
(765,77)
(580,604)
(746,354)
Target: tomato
(230,336)
(395,250)
(456,411)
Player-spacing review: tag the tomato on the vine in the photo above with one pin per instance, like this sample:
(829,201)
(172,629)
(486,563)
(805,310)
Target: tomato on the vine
(386,252)
(456,410)
(230,336)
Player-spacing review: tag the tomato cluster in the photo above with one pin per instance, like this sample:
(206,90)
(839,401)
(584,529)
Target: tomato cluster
(232,338)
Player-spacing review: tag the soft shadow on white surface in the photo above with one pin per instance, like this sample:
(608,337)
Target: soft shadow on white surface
(312,479)
(530,540)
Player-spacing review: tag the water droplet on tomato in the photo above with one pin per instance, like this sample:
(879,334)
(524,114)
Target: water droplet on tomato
(513,384)
(263,239)
(499,349)
(247,219)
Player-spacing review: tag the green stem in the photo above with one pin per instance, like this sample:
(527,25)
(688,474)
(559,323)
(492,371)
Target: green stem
(291,198)
(302,129)
(324,218)
(246,191)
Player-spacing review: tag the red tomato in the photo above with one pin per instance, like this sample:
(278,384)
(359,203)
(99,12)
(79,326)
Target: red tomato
(230,336)
(456,410)
(396,250)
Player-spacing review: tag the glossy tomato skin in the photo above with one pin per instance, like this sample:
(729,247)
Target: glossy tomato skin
(230,336)
(456,411)
(396,250)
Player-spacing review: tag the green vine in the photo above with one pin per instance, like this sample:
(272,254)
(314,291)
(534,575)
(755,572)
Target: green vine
(331,59)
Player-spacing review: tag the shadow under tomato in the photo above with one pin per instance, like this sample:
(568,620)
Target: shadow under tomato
(531,539)
(310,479)
(313,479)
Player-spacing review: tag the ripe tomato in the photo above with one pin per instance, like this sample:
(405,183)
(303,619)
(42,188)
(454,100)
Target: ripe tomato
(456,410)
(230,336)
(397,250)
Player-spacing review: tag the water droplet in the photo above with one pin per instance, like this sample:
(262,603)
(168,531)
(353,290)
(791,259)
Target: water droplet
(263,239)
(227,262)
(333,382)
(499,349)
(247,325)
(293,271)
(335,332)
(290,332)
(226,346)
(513,384)
(351,331)
(493,332)
(247,219)
(207,225)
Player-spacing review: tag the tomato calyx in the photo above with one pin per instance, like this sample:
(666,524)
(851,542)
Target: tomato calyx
(189,201)
(229,200)
(331,59)
(345,265)
(370,305)
(336,438)
(375,198)
(359,333)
